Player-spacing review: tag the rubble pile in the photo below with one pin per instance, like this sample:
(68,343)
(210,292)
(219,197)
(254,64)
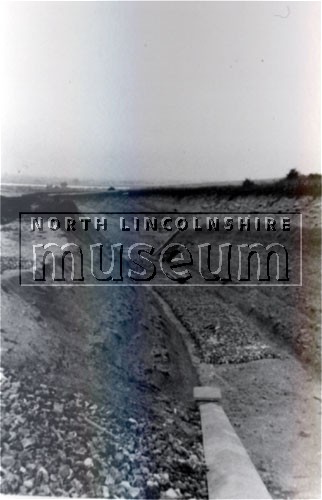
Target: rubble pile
(64,445)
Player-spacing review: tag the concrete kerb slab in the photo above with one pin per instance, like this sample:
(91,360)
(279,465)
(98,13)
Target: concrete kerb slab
(231,473)
(207,394)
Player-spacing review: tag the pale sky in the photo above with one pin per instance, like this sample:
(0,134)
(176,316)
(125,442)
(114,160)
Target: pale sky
(161,91)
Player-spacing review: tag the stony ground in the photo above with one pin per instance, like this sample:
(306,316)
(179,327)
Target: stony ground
(65,446)
(97,385)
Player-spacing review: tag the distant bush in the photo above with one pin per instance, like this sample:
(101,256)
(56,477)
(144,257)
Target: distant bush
(293,175)
(248,184)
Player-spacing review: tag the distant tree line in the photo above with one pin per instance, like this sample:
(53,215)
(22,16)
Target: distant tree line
(293,184)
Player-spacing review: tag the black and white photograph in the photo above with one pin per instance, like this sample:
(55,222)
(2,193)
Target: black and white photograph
(161,249)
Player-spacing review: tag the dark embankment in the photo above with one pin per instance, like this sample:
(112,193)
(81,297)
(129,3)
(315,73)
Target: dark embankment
(34,202)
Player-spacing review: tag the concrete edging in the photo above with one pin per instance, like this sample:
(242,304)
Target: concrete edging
(231,473)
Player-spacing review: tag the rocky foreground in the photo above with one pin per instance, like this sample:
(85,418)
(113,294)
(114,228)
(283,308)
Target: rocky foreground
(64,445)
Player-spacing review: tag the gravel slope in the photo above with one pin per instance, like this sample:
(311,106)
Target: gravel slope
(63,445)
